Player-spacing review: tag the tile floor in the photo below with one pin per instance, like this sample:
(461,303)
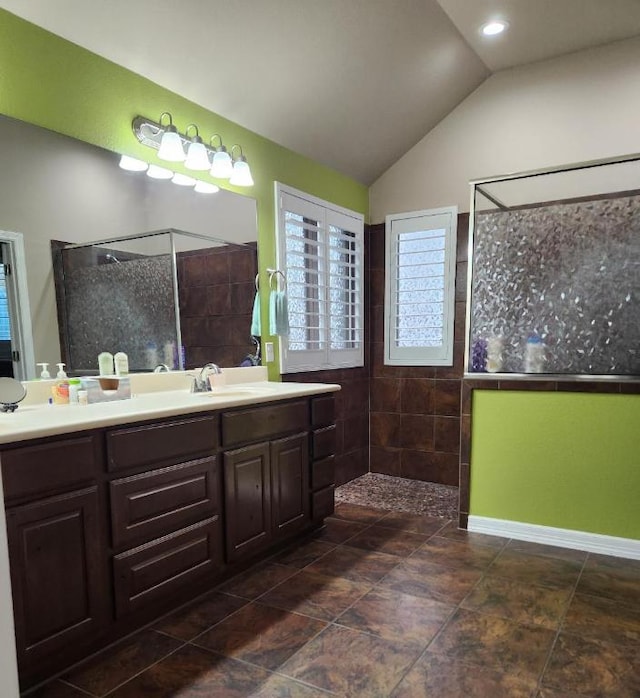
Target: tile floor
(391,604)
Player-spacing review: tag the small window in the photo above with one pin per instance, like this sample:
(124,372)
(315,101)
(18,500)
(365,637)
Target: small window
(420,287)
(320,249)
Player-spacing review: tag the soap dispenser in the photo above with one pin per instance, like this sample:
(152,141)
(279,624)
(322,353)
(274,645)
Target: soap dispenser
(44,373)
(61,372)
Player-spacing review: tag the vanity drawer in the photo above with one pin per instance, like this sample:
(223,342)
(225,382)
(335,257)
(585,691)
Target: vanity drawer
(323,411)
(152,504)
(322,503)
(160,569)
(163,442)
(323,473)
(50,467)
(259,423)
(324,442)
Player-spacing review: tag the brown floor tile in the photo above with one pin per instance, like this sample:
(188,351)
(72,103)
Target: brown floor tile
(495,643)
(261,635)
(415,523)
(119,663)
(303,554)
(431,581)
(393,541)
(355,512)
(452,532)
(282,687)
(315,595)
(351,663)
(188,622)
(612,577)
(520,602)
(456,553)
(337,531)
(58,689)
(446,678)
(192,672)
(603,619)
(394,616)
(535,569)
(257,580)
(593,668)
(355,564)
(524,546)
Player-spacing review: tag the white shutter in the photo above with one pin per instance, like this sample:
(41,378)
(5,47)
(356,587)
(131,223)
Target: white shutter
(320,250)
(420,287)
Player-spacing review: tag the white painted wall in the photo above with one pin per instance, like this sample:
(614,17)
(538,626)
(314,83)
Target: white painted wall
(578,107)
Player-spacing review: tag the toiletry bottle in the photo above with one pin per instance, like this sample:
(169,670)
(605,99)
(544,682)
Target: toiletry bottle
(121,362)
(61,372)
(44,373)
(74,388)
(151,355)
(534,355)
(60,392)
(105,363)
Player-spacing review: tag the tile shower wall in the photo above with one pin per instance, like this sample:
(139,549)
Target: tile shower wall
(216,291)
(415,410)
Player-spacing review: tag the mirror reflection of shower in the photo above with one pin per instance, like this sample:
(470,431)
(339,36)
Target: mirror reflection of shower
(166,297)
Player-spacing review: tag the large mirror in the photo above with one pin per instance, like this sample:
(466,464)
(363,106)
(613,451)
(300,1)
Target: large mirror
(55,188)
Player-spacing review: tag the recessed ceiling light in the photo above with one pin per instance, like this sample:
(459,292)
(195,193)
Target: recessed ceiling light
(494,27)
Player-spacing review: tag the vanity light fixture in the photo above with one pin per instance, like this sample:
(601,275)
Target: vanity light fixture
(197,157)
(494,27)
(132,164)
(221,167)
(241,176)
(220,163)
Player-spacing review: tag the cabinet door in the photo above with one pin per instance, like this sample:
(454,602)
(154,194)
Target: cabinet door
(57,573)
(247,488)
(290,484)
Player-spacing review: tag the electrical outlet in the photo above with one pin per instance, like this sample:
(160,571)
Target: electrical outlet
(268,350)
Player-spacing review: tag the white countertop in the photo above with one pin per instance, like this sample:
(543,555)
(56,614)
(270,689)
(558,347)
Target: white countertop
(36,420)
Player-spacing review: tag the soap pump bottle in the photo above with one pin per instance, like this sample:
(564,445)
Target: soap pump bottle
(61,372)
(44,372)
(121,362)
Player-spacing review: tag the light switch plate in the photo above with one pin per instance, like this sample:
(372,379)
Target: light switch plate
(268,350)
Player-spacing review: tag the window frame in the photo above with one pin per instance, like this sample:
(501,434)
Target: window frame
(415,221)
(324,358)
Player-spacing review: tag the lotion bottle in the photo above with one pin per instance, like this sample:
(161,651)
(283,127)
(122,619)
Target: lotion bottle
(105,363)
(121,361)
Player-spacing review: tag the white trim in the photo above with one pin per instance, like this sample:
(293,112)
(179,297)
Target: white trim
(560,537)
(22,334)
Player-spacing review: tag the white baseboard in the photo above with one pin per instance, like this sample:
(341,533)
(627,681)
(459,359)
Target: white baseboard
(561,537)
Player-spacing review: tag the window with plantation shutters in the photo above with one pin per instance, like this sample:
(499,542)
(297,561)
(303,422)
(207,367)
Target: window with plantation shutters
(420,287)
(320,249)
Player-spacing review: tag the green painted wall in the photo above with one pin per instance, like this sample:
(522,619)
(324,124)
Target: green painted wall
(53,83)
(569,460)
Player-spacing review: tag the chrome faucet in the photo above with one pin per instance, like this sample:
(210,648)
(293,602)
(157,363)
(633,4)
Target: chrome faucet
(161,368)
(201,381)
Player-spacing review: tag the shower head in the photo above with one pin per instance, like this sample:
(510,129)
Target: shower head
(112,258)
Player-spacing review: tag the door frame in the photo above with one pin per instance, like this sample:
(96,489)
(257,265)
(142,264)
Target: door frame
(19,308)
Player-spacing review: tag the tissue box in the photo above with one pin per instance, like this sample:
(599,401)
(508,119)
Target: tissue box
(107,388)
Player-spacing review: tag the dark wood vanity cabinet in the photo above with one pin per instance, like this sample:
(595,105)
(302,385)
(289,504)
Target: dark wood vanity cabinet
(57,544)
(110,528)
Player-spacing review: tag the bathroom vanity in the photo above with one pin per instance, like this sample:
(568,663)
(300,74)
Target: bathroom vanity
(118,513)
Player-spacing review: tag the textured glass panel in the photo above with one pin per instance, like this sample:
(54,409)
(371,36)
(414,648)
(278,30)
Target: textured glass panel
(420,270)
(423,234)
(421,258)
(421,309)
(406,321)
(411,246)
(568,273)
(434,282)
(417,296)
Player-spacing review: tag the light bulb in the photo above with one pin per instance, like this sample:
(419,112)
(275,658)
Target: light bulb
(132,164)
(197,158)
(158,172)
(241,176)
(222,167)
(494,27)
(171,146)
(206,188)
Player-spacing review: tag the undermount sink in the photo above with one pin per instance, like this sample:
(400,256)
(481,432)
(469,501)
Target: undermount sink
(237,390)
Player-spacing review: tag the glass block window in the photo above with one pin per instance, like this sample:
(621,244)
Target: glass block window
(420,287)
(320,250)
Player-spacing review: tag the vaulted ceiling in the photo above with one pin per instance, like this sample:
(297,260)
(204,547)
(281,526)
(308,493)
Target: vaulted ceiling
(353,84)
